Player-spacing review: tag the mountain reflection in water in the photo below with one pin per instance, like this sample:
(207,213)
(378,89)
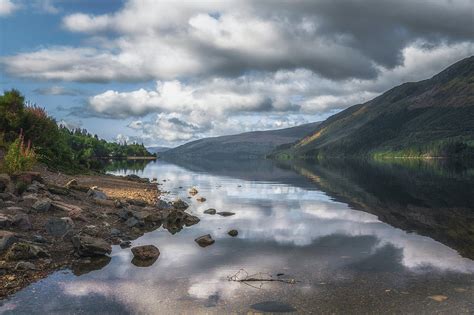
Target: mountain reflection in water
(301,220)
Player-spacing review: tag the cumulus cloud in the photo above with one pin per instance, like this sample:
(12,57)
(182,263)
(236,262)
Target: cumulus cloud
(230,105)
(170,40)
(7,7)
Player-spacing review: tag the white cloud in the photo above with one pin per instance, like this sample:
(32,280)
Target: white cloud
(230,105)
(7,7)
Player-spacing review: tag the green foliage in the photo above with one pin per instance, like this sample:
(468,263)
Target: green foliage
(19,157)
(56,146)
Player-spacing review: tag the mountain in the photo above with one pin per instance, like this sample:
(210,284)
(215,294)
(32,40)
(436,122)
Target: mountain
(157,149)
(434,117)
(248,145)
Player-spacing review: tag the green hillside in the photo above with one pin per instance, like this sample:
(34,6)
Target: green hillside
(430,118)
(248,145)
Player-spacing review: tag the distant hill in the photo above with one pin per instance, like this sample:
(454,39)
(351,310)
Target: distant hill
(430,118)
(248,145)
(157,149)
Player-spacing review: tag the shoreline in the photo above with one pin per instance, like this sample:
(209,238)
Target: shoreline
(62,221)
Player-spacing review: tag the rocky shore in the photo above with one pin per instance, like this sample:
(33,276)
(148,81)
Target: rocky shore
(51,221)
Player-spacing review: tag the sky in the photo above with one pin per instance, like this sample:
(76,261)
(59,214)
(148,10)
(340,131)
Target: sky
(168,72)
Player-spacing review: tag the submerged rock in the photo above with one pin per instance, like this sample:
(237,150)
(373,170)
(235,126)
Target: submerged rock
(201,199)
(233,233)
(225,213)
(210,211)
(204,240)
(86,245)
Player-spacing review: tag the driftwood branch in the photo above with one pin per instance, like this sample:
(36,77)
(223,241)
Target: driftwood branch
(243,276)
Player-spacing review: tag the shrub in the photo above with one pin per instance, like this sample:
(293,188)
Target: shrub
(19,157)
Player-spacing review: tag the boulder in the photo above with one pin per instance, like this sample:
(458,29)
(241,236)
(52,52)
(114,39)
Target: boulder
(225,213)
(7,239)
(91,230)
(233,233)
(35,187)
(59,227)
(193,191)
(210,211)
(86,245)
(204,240)
(133,222)
(25,251)
(142,215)
(145,252)
(96,193)
(180,204)
(22,221)
(42,205)
(124,213)
(29,200)
(201,199)
(2,203)
(163,205)
(125,244)
(72,210)
(191,220)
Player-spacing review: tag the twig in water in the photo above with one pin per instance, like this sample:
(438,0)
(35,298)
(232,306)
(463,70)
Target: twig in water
(243,276)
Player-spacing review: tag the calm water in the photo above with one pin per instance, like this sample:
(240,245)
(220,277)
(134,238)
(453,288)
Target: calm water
(356,238)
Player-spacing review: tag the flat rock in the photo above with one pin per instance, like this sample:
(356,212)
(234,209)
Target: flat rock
(210,211)
(145,252)
(233,233)
(86,245)
(59,227)
(25,251)
(225,213)
(42,205)
(204,240)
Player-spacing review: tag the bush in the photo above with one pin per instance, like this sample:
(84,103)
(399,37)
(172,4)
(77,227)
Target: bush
(19,157)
